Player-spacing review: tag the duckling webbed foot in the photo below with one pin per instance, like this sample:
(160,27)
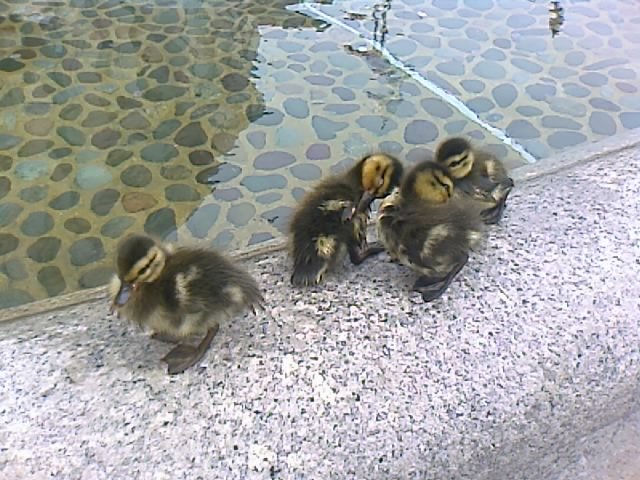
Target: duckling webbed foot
(359,253)
(185,356)
(433,287)
(164,337)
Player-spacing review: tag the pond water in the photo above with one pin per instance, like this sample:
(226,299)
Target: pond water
(206,120)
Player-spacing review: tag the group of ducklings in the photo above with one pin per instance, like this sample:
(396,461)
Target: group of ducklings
(429,219)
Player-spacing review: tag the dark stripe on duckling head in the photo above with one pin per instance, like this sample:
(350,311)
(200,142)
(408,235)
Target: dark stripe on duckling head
(456,155)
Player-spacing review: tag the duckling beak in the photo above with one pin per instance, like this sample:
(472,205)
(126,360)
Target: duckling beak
(123,294)
(365,202)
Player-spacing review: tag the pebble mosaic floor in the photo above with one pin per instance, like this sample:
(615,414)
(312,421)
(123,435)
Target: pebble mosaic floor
(205,121)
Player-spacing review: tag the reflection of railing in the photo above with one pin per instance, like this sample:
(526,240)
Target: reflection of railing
(379,14)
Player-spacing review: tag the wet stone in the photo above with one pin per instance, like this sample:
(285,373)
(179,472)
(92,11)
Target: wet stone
(105,139)
(71,135)
(181,193)
(44,250)
(160,223)
(240,214)
(96,100)
(115,227)
(61,172)
(227,194)
(278,217)
(37,108)
(489,70)
(135,121)
(128,47)
(30,77)
(5,163)
(14,268)
(117,156)
(418,132)
(504,94)
(526,65)
(568,106)
(575,90)
(33,147)
(77,225)
(95,277)
(65,201)
(126,103)
(540,91)
(345,94)
(234,82)
(136,138)
(53,51)
(158,152)
(166,128)
(269,198)
(136,176)
(8,243)
(175,172)
(436,107)
(472,86)
(594,79)
(99,118)
(206,71)
(561,139)
(30,194)
(603,104)
(90,177)
(163,93)
(85,251)
(8,141)
(296,107)
(133,202)
(15,96)
(630,120)
(261,183)
(191,135)
(38,126)
(376,124)
(8,64)
(89,77)
(257,139)
(71,64)
(201,157)
(32,169)
(203,111)
(13,297)
(5,188)
(522,129)
(103,201)
(327,129)
(9,212)
(602,124)
(555,121)
(273,160)
(160,74)
(71,112)
(219,174)
(37,224)
(38,92)
(306,172)
(202,220)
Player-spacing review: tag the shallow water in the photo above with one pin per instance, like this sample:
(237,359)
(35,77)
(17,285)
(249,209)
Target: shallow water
(206,120)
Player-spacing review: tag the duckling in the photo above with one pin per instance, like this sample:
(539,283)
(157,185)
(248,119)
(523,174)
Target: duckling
(179,292)
(477,173)
(424,225)
(324,227)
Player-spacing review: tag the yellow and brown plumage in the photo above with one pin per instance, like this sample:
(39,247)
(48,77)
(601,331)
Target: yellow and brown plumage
(324,228)
(179,292)
(477,173)
(426,226)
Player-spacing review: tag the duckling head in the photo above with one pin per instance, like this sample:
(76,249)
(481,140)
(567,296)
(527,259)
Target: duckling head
(456,155)
(379,175)
(140,259)
(429,182)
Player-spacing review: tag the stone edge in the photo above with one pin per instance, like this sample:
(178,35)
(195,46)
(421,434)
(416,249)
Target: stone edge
(557,163)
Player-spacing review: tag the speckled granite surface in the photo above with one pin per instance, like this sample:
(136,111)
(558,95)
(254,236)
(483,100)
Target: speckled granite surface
(536,344)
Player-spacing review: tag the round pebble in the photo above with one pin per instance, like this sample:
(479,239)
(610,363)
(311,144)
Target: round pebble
(77,225)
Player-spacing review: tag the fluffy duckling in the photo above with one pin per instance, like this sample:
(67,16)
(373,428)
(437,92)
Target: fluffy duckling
(424,226)
(477,173)
(177,293)
(324,226)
